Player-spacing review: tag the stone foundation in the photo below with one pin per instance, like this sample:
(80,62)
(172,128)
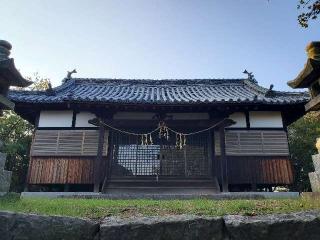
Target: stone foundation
(34,227)
(302,226)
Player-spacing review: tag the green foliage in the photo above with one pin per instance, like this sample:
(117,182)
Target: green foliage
(311,10)
(100,208)
(39,83)
(16,135)
(302,137)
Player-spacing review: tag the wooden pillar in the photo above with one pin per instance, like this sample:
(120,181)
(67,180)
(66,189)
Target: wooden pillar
(211,154)
(98,160)
(223,159)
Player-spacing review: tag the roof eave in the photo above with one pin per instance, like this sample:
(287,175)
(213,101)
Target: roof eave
(309,74)
(12,75)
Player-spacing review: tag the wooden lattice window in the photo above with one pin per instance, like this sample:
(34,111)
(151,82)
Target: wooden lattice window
(67,143)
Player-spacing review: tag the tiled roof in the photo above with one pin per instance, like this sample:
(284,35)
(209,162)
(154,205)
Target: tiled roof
(191,91)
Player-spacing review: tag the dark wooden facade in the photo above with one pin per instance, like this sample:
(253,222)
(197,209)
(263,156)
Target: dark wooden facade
(62,163)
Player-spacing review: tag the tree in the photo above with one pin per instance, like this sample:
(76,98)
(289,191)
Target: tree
(16,135)
(310,11)
(302,137)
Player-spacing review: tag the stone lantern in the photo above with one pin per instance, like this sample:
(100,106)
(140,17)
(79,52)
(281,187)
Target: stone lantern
(9,76)
(309,77)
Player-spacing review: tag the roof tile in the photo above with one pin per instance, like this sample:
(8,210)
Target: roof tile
(159,92)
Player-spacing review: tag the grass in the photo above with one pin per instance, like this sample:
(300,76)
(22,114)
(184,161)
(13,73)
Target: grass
(99,208)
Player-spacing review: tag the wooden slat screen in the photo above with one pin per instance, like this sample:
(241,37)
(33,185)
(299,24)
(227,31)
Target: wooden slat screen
(254,143)
(61,170)
(275,170)
(67,143)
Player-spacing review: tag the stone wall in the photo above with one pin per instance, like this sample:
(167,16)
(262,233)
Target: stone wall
(303,225)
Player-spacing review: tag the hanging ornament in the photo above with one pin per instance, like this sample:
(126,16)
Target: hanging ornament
(181,140)
(150,139)
(146,139)
(163,131)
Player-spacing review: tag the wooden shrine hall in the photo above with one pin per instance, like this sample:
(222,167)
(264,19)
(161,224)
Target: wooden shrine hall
(120,135)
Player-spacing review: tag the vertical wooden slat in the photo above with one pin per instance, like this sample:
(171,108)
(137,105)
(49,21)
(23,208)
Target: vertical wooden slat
(290,171)
(280,173)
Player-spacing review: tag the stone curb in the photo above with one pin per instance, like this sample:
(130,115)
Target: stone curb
(218,196)
(36,227)
(301,225)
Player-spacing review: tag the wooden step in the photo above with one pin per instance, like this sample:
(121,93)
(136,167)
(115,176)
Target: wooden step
(160,184)
(161,191)
(194,186)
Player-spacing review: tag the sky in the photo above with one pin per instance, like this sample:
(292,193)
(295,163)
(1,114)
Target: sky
(157,39)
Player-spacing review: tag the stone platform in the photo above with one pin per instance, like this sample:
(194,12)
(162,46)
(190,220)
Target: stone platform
(164,196)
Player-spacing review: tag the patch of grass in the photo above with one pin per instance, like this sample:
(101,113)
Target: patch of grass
(99,208)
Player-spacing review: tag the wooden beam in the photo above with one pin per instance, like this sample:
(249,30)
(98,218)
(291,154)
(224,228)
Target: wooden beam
(74,117)
(97,164)
(223,160)
(247,119)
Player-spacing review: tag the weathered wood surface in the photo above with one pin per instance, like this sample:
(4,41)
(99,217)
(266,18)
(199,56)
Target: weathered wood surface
(241,170)
(267,170)
(61,170)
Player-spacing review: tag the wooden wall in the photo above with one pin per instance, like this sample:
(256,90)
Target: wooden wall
(241,170)
(67,143)
(267,170)
(61,170)
(254,143)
